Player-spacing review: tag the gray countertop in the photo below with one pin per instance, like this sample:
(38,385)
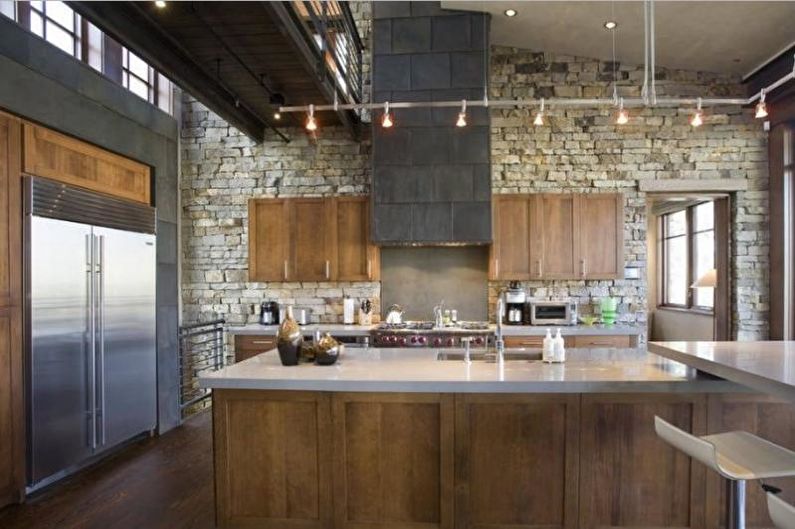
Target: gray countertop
(417,370)
(767,367)
(508,330)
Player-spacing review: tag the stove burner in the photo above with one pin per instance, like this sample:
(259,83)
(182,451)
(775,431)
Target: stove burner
(408,325)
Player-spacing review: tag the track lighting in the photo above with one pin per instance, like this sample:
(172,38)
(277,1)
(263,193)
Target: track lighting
(160,4)
(623,116)
(311,124)
(539,120)
(386,120)
(462,116)
(697,119)
(761,107)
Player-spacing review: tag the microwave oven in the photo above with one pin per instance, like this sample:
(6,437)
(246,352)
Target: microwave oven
(553,312)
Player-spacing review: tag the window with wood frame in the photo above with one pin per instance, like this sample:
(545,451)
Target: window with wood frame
(58,24)
(685,252)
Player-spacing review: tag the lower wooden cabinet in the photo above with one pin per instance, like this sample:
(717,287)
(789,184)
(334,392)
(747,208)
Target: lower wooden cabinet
(573,341)
(516,461)
(628,476)
(273,459)
(393,460)
(247,346)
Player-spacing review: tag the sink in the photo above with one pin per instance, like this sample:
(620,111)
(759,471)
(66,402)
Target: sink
(482,356)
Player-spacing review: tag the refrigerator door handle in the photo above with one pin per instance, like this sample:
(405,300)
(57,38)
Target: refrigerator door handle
(101,338)
(92,333)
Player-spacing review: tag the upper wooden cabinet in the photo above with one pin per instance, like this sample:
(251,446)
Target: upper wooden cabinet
(311,239)
(558,236)
(65,159)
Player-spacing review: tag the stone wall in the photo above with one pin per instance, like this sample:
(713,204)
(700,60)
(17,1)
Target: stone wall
(582,150)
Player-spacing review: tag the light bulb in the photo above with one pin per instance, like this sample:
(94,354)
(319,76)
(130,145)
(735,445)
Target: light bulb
(696,120)
(311,124)
(462,116)
(623,116)
(386,119)
(160,4)
(277,116)
(761,107)
(539,120)
(510,12)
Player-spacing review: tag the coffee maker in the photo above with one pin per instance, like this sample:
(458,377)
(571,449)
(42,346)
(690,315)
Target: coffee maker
(269,313)
(515,298)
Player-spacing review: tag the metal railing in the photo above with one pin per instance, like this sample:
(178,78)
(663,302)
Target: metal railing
(201,349)
(330,31)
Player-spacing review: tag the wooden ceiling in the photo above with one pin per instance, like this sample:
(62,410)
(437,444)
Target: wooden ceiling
(232,56)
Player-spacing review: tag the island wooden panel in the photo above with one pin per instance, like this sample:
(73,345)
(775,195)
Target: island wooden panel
(12,422)
(273,459)
(761,415)
(516,461)
(628,476)
(393,460)
(59,157)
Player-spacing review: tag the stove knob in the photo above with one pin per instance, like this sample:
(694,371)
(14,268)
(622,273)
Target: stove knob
(421,340)
(437,342)
(450,342)
(478,341)
(414,339)
(402,341)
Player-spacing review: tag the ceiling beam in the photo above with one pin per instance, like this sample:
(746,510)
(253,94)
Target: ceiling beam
(130,25)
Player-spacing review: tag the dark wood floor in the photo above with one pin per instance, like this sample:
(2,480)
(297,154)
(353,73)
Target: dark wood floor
(164,482)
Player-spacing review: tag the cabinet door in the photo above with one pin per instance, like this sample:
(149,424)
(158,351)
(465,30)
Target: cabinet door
(557,236)
(356,259)
(268,240)
(12,451)
(516,461)
(601,226)
(310,239)
(393,460)
(629,477)
(601,341)
(512,251)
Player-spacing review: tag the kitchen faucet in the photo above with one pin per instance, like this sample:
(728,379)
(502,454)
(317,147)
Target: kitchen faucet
(499,343)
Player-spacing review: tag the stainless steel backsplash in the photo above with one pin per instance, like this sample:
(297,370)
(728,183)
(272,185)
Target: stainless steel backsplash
(418,278)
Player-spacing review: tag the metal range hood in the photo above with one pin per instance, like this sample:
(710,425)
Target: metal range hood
(431,178)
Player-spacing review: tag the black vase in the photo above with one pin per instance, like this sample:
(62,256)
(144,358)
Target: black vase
(289,340)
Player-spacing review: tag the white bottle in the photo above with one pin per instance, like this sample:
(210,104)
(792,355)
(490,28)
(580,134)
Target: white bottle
(549,348)
(347,310)
(559,348)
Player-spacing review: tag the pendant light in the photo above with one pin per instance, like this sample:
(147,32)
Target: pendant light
(539,120)
(623,116)
(462,116)
(386,119)
(697,119)
(761,107)
(311,124)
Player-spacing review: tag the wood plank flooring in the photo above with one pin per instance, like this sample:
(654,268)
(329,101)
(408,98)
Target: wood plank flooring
(159,483)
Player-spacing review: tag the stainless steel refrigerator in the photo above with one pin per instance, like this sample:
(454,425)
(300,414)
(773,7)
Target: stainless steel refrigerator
(90,325)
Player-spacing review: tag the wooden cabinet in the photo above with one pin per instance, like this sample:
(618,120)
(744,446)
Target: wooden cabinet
(268,240)
(311,239)
(516,461)
(601,236)
(393,460)
(356,258)
(513,253)
(558,236)
(59,157)
(628,476)
(519,342)
(247,346)
(600,341)
(273,459)
(12,423)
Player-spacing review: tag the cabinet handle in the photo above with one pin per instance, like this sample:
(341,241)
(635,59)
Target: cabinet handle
(262,342)
(538,262)
(285,269)
(582,267)
(496,268)
(369,269)
(328,270)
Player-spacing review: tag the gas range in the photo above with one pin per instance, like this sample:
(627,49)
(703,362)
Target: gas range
(424,334)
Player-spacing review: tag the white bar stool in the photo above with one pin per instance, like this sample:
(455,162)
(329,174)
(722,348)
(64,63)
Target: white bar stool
(781,512)
(737,456)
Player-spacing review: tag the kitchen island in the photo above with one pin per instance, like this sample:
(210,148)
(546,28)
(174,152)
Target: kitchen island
(396,438)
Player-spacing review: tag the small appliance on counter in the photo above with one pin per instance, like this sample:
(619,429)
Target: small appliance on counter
(269,313)
(515,298)
(301,315)
(552,312)
(348,306)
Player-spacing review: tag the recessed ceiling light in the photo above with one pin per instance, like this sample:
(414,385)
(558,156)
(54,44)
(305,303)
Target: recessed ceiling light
(611,24)
(510,12)
(160,4)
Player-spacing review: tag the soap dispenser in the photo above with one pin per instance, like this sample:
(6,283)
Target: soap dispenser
(549,348)
(559,348)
